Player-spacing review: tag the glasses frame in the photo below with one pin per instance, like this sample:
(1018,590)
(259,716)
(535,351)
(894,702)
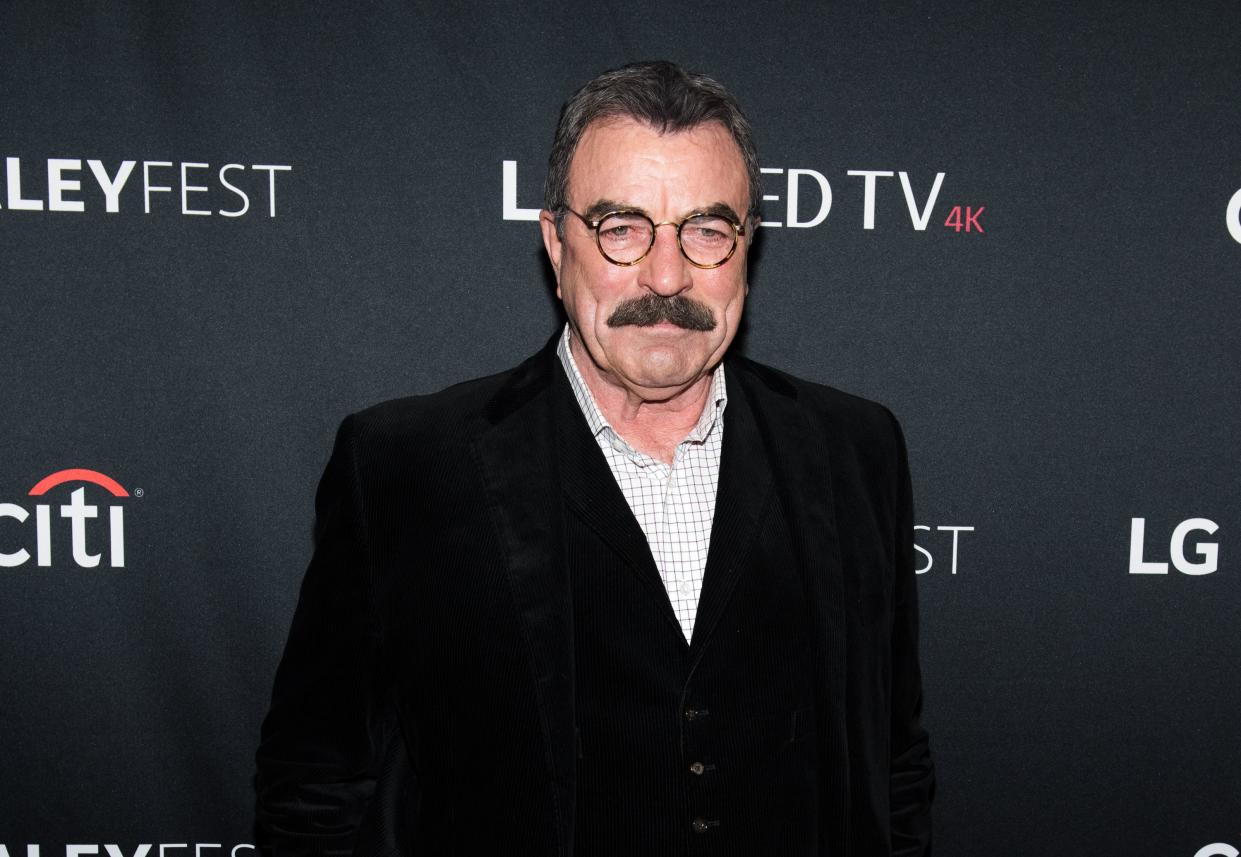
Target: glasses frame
(738,234)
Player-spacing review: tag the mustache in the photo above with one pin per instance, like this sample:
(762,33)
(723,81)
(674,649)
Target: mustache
(651,309)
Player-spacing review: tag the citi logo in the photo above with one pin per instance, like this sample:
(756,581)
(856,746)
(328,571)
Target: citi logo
(1217,849)
(78,512)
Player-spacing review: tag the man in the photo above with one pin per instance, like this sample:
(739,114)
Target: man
(636,596)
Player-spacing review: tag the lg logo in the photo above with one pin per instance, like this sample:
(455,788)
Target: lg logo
(78,512)
(1207,552)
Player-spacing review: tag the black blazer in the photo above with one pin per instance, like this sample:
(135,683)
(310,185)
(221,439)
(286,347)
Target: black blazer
(425,700)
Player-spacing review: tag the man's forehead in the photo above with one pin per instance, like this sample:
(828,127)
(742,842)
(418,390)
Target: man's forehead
(628,149)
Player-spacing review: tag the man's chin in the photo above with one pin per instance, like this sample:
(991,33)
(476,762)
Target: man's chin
(658,377)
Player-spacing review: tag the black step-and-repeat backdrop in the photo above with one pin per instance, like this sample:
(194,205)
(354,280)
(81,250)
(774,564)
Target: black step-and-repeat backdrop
(224,226)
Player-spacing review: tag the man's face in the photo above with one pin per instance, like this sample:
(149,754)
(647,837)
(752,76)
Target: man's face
(626,164)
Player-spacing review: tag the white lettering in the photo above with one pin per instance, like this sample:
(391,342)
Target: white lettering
(77,512)
(245,200)
(13,174)
(926,553)
(956,546)
(12,560)
(32,850)
(1137,542)
(271,180)
(825,205)
(43,530)
(1233,217)
(509,202)
(140,851)
(116,536)
(147,187)
(80,850)
(111,186)
(920,219)
(57,184)
(163,846)
(868,200)
(187,189)
(770,197)
(1217,849)
(956,531)
(1209,551)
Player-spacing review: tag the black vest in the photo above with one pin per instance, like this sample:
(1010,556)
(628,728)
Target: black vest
(702,749)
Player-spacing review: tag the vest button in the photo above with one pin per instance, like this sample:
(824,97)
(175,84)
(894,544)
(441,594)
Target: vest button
(697,768)
(692,714)
(700,825)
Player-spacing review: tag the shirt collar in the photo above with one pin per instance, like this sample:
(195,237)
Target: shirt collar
(598,423)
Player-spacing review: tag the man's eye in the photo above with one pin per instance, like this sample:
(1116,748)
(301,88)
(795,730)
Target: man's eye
(707,235)
(617,231)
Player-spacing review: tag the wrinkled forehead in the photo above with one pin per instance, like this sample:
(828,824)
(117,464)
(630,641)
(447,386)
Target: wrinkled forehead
(631,163)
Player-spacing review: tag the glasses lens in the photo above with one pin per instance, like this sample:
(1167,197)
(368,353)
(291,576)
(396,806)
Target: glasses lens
(707,239)
(625,237)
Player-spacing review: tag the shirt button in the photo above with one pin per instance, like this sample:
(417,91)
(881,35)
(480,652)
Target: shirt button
(697,768)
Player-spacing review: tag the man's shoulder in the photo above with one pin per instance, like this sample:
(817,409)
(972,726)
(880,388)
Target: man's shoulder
(828,405)
(444,414)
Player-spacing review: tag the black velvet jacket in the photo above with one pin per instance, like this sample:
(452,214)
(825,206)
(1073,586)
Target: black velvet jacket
(425,703)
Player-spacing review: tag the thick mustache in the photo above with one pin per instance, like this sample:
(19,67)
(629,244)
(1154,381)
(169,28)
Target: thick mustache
(652,309)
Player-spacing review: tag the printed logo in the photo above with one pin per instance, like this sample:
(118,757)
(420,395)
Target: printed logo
(1232,216)
(146,849)
(939,543)
(1217,849)
(78,512)
(230,187)
(808,200)
(1208,551)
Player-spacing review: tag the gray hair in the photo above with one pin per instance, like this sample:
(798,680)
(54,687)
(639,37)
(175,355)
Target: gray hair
(660,94)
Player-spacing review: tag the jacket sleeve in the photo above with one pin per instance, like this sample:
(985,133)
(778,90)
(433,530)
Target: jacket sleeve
(330,725)
(912,772)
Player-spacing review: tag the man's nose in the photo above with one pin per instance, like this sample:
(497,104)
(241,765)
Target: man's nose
(664,270)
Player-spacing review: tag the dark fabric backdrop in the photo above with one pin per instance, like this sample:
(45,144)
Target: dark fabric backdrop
(1061,354)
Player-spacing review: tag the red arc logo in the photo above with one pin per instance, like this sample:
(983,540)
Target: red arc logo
(78,474)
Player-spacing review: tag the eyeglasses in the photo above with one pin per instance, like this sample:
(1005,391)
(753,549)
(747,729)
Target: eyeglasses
(625,237)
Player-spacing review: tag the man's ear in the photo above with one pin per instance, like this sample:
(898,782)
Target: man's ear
(551,242)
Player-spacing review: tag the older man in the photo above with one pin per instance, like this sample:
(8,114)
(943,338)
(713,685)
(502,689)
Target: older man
(636,596)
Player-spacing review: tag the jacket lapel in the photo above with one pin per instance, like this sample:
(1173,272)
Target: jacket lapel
(742,495)
(798,443)
(517,455)
(591,490)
